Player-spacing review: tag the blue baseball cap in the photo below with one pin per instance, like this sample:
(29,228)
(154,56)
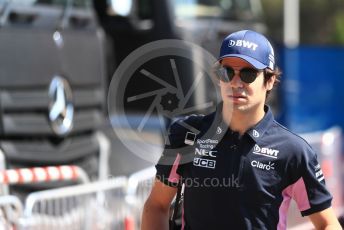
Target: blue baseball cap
(251,46)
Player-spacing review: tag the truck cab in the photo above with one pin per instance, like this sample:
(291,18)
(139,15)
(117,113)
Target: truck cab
(52,86)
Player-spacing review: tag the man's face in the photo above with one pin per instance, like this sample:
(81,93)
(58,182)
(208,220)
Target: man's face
(243,96)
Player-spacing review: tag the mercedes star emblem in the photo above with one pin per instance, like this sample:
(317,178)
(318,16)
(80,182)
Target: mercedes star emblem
(61,109)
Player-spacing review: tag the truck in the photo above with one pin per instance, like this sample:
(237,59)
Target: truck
(52,88)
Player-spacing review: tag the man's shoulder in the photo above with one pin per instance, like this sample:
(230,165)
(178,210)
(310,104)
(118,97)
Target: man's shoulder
(290,139)
(179,128)
(187,123)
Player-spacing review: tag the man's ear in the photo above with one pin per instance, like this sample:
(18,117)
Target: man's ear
(270,83)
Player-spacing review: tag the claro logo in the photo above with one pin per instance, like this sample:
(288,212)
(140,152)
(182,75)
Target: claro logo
(263,166)
(268,152)
(203,152)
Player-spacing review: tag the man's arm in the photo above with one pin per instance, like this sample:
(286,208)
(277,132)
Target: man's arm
(156,209)
(325,219)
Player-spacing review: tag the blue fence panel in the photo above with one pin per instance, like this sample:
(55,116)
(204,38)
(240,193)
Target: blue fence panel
(313,88)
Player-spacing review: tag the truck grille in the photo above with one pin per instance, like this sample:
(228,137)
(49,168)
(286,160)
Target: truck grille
(26,132)
(25,113)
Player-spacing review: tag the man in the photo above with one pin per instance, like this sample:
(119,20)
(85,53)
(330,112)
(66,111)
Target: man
(244,175)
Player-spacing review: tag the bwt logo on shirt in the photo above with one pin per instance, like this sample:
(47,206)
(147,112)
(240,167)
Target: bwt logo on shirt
(268,152)
(243,43)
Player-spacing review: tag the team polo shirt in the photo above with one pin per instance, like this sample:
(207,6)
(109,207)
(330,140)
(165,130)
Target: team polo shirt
(245,182)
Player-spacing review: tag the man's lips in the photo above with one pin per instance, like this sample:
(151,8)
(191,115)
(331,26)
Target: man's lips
(237,96)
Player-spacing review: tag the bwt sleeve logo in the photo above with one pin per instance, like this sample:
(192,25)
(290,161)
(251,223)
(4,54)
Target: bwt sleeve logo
(243,43)
(268,152)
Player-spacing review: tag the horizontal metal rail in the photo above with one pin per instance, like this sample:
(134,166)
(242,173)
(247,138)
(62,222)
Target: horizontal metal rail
(43,174)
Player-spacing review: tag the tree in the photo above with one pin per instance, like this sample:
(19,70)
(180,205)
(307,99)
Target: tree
(321,22)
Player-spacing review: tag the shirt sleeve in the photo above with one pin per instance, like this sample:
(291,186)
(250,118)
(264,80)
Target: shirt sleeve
(309,191)
(169,165)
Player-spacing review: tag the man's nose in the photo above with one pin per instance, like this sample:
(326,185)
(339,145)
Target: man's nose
(236,81)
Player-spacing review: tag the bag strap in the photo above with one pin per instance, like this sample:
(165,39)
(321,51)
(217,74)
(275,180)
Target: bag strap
(196,122)
(176,203)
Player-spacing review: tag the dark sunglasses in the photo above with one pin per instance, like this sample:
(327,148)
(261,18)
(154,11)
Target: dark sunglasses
(247,75)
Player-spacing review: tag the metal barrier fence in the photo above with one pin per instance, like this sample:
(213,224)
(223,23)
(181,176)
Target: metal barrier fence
(11,210)
(107,204)
(98,205)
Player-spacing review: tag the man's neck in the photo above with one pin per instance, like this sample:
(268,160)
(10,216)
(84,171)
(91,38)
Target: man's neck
(241,121)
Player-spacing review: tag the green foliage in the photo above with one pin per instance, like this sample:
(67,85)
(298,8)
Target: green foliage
(339,31)
(321,21)
(273,15)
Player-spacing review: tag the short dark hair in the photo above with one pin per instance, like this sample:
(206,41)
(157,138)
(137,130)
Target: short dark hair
(268,73)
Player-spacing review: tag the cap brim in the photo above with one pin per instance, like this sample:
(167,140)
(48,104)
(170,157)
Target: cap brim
(256,64)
